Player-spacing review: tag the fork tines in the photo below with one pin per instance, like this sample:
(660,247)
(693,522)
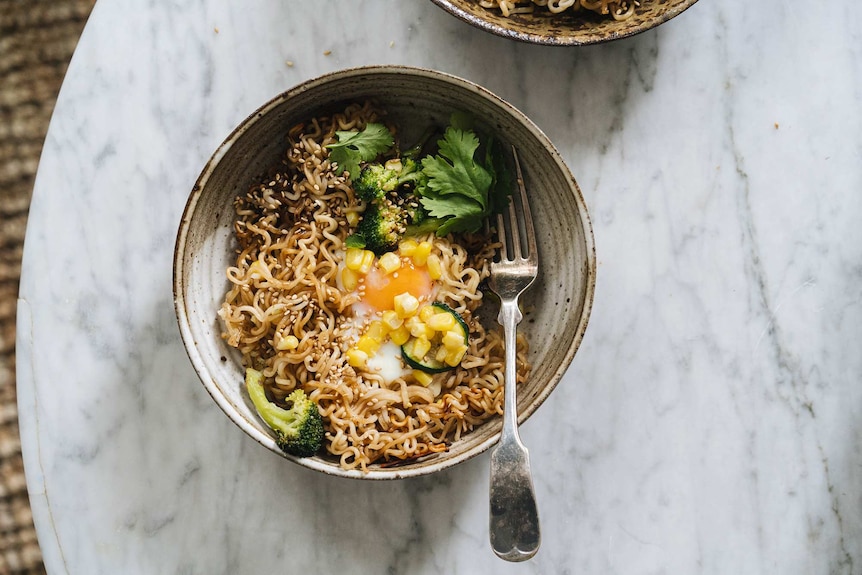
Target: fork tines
(515,226)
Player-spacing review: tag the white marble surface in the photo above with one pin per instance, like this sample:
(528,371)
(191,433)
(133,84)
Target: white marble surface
(711,421)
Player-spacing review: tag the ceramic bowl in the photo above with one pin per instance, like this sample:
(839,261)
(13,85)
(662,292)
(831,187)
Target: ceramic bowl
(559,302)
(568,28)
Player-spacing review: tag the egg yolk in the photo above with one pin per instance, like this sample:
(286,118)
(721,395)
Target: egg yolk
(381,288)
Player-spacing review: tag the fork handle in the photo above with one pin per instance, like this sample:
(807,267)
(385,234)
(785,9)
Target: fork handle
(509,317)
(514,517)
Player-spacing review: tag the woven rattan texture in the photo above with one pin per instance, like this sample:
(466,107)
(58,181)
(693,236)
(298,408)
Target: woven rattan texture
(37,38)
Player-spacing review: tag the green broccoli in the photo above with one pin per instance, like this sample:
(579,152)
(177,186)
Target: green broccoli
(298,429)
(375,181)
(390,216)
(382,225)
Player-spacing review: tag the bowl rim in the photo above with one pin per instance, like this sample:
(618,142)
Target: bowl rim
(546,40)
(199,187)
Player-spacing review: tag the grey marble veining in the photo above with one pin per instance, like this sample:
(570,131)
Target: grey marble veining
(711,421)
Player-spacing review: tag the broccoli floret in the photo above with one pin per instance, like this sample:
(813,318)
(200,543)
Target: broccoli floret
(298,429)
(375,181)
(382,225)
(392,191)
(392,215)
(411,173)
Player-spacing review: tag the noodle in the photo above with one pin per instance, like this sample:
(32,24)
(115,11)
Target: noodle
(291,229)
(616,9)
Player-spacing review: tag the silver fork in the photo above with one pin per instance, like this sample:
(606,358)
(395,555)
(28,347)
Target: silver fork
(514,518)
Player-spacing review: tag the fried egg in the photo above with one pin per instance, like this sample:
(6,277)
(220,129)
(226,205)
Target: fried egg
(380,288)
(377,291)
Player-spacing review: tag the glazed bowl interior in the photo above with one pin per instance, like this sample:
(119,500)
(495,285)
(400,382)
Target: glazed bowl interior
(568,28)
(557,306)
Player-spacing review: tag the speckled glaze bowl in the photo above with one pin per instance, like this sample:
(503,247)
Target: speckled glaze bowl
(558,304)
(568,28)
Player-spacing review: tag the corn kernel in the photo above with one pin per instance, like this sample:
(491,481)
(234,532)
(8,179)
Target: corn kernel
(426,312)
(405,304)
(356,357)
(256,270)
(435,267)
(389,262)
(407,248)
(352,219)
(287,343)
(353,258)
(367,261)
(422,377)
(453,339)
(441,322)
(441,354)
(400,335)
(455,356)
(368,344)
(419,328)
(377,330)
(350,279)
(419,346)
(391,320)
(420,256)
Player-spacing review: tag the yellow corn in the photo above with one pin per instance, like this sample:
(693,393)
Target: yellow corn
(426,312)
(419,328)
(441,322)
(419,347)
(400,335)
(256,270)
(407,248)
(352,219)
(356,357)
(367,261)
(420,256)
(350,279)
(435,266)
(377,331)
(405,304)
(422,377)
(441,354)
(455,356)
(391,320)
(368,344)
(353,258)
(389,262)
(453,339)
(287,343)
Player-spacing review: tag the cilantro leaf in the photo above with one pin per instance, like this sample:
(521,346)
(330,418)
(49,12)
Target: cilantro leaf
(445,206)
(354,147)
(454,171)
(456,191)
(458,214)
(354,241)
(501,177)
(471,223)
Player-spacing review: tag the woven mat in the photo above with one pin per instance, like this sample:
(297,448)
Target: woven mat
(37,38)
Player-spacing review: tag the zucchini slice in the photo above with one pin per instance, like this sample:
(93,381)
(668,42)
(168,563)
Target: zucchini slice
(428,361)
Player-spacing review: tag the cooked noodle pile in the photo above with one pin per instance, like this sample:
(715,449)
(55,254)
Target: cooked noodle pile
(291,230)
(616,9)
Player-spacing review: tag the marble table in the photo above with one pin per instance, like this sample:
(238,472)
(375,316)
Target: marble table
(711,421)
